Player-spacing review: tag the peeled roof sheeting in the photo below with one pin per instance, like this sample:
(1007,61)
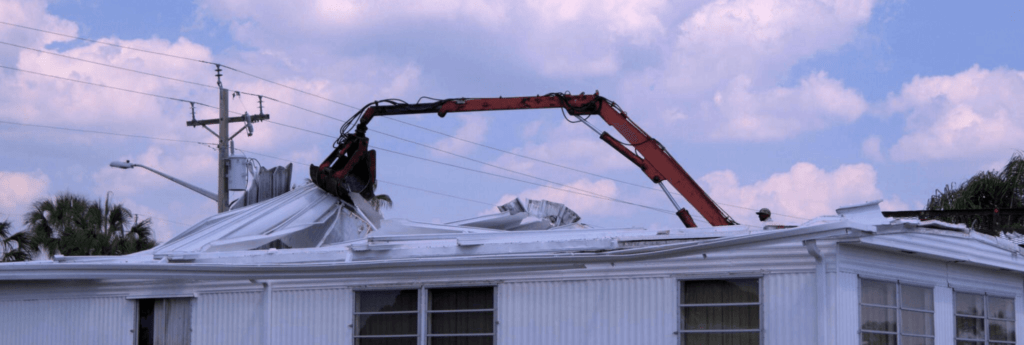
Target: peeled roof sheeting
(302,217)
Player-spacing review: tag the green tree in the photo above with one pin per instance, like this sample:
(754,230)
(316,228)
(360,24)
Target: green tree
(987,190)
(13,246)
(73,225)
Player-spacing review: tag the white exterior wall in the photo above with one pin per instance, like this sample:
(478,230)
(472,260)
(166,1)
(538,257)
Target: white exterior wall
(599,311)
(312,316)
(851,263)
(227,318)
(789,308)
(96,320)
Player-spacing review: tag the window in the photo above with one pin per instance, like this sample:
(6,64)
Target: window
(457,316)
(892,313)
(983,319)
(164,321)
(720,312)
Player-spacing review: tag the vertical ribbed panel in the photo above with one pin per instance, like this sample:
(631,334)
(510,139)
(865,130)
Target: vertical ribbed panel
(318,316)
(107,320)
(227,318)
(789,308)
(844,317)
(945,321)
(611,311)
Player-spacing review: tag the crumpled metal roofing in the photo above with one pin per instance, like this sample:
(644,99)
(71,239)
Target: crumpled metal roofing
(304,217)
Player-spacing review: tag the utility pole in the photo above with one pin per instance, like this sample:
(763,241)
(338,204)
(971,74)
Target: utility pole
(224,139)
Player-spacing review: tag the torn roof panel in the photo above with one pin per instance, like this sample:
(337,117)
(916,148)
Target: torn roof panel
(304,217)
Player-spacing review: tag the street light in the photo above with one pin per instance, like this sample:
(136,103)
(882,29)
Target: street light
(129,165)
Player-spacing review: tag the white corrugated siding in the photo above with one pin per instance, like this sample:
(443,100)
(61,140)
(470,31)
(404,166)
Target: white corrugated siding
(789,308)
(844,315)
(318,316)
(104,320)
(227,318)
(945,319)
(607,311)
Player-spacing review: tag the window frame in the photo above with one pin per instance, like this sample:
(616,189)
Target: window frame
(423,312)
(680,316)
(899,309)
(985,317)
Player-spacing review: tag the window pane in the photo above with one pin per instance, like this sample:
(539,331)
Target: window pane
(386,341)
(917,297)
(877,292)
(918,323)
(960,342)
(1001,308)
(878,318)
(970,328)
(910,340)
(386,324)
(376,301)
(719,291)
(970,304)
(742,338)
(475,340)
(1001,330)
(462,298)
(455,323)
(877,339)
(734,317)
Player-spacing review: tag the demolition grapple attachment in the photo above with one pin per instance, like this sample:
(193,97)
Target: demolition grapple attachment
(351,167)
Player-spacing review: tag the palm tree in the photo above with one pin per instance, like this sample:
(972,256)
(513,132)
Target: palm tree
(986,190)
(13,246)
(73,225)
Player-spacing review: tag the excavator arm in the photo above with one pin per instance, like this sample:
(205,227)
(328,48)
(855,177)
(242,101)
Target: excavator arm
(350,168)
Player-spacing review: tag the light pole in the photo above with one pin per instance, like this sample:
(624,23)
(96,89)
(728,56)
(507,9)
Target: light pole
(129,165)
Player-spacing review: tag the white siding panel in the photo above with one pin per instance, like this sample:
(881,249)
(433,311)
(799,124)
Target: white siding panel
(789,308)
(106,320)
(844,314)
(318,316)
(227,318)
(591,312)
(945,321)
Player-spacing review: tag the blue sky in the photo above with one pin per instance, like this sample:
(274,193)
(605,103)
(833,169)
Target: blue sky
(797,105)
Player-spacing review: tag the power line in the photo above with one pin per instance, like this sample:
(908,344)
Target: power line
(309,94)
(107,43)
(496,149)
(379,180)
(558,165)
(108,65)
(109,87)
(176,56)
(470,159)
(105,133)
(587,193)
(286,86)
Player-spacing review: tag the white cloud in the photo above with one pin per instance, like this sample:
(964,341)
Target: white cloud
(761,38)
(805,191)
(17,193)
(974,113)
(474,128)
(723,74)
(780,112)
(30,13)
(872,148)
(568,144)
(556,38)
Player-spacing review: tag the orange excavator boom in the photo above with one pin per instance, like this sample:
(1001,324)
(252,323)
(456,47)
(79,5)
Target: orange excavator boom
(351,166)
